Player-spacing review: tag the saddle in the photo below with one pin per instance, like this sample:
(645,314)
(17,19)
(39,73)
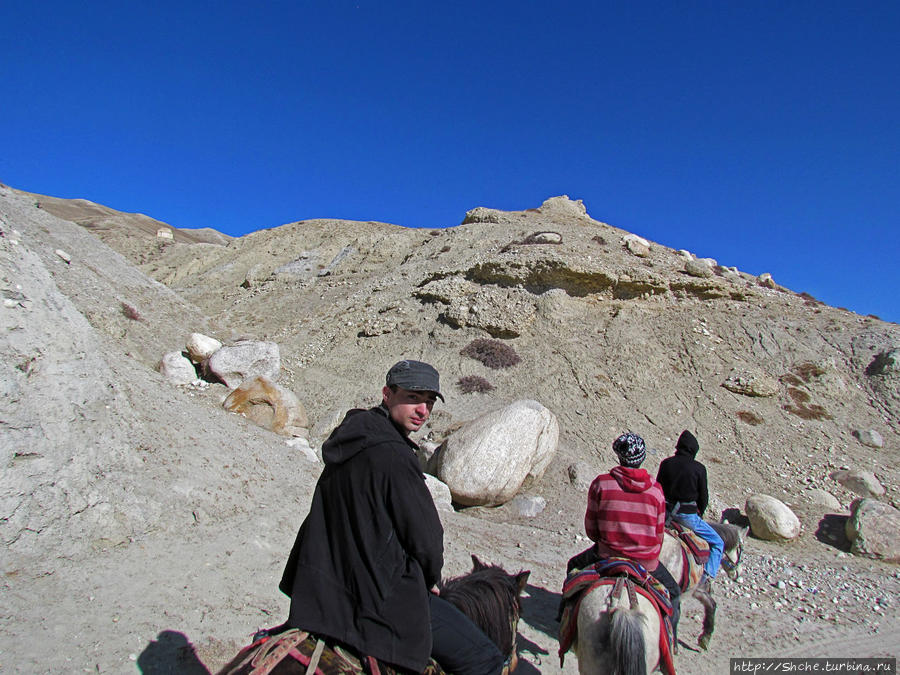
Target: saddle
(698,548)
(611,571)
(301,653)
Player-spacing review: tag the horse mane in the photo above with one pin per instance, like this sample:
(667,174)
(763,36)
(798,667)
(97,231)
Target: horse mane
(731,534)
(490,597)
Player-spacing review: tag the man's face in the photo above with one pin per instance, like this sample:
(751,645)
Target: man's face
(409,409)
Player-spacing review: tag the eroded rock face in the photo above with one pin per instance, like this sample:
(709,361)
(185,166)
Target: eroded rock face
(751,384)
(269,405)
(873,529)
(771,518)
(489,459)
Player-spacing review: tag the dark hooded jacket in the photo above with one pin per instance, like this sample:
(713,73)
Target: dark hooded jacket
(683,478)
(370,547)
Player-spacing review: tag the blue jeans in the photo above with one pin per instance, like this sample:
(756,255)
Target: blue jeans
(705,530)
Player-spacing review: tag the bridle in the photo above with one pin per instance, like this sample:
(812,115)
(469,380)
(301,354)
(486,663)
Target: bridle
(731,566)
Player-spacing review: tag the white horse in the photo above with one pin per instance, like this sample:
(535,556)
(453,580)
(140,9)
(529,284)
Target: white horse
(619,633)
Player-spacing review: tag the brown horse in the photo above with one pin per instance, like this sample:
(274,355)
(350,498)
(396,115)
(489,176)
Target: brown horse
(488,595)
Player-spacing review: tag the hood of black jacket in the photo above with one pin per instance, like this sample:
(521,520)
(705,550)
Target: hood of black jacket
(687,444)
(355,433)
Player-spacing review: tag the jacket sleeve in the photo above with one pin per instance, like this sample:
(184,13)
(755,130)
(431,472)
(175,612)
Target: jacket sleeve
(702,492)
(415,518)
(591,520)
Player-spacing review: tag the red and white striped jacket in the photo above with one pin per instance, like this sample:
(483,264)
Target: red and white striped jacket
(626,514)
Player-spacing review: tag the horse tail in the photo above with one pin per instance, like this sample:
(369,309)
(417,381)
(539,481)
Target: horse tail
(626,640)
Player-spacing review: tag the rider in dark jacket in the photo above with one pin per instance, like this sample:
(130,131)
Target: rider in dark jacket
(683,481)
(371,546)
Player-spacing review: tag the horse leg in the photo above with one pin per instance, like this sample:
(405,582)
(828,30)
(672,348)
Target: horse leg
(709,615)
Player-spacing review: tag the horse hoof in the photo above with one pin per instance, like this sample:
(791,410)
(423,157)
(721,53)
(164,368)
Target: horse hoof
(703,641)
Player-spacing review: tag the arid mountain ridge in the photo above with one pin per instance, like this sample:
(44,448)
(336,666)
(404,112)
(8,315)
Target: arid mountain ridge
(613,335)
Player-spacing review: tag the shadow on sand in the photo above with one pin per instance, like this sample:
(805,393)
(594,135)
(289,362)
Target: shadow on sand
(832,531)
(171,653)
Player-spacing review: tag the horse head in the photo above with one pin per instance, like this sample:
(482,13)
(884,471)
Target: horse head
(489,595)
(733,549)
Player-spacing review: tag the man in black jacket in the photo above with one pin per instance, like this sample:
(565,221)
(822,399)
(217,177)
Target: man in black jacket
(683,481)
(371,547)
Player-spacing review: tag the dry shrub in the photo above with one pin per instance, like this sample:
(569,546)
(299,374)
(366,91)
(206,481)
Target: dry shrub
(749,417)
(798,395)
(492,353)
(808,370)
(810,300)
(792,380)
(131,312)
(473,383)
(600,240)
(812,411)
(445,249)
(434,233)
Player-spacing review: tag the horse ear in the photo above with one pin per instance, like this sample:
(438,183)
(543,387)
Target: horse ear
(477,564)
(522,579)
(743,532)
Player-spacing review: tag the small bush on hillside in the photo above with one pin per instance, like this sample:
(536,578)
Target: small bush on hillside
(492,353)
(473,383)
(812,411)
(130,312)
(600,240)
(808,370)
(798,395)
(750,418)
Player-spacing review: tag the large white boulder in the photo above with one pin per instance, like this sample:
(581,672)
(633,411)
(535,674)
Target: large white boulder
(771,519)
(177,368)
(235,363)
(200,347)
(489,459)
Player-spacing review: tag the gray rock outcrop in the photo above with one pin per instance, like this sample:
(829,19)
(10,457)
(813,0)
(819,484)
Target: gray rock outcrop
(873,529)
(863,483)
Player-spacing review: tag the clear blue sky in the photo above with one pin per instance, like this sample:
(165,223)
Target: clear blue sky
(763,134)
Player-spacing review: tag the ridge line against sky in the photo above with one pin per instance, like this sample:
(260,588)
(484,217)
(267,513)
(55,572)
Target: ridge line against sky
(762,134)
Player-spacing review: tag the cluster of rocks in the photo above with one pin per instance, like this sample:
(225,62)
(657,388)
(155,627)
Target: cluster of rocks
(871,526)
(823,592)
(249,368)
(484,462)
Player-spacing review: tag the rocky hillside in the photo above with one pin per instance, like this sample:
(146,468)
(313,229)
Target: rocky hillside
(106,463)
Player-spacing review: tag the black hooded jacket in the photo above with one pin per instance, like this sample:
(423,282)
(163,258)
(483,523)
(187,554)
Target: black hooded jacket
(370,547)
(683,478)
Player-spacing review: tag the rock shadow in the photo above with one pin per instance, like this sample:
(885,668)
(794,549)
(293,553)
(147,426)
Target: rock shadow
(171,653)
(734,516)
(832,531)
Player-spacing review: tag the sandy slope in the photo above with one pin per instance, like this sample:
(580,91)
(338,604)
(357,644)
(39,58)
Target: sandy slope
(145,529)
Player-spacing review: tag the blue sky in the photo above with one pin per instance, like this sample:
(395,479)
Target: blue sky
(763,134)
